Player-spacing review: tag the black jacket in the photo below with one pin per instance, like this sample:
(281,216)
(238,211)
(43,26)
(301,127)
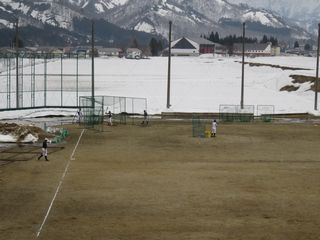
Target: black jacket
(45,144)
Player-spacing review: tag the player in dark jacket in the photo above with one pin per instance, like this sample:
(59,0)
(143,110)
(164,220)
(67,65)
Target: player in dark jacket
(44,150)
(145,118)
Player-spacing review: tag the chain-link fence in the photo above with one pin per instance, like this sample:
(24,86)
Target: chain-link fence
(234,113)
(42,80)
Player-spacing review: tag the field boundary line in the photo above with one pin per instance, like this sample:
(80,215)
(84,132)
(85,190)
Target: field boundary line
(59,185)
(75,148)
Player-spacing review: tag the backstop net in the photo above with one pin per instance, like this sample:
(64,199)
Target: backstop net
(124,109)
(233,113)
(265,112)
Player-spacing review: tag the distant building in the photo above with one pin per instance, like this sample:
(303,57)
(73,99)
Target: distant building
(275,51)
(253,49)
(82,51)
(191,47)
(220,49)
(109,52)
(133,53)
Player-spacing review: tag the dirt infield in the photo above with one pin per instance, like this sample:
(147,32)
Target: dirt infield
(254,181)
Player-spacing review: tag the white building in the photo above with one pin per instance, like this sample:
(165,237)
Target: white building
(133,53)
(253,49)
(191,47)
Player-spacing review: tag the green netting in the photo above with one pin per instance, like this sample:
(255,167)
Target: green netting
(266,112)
(123,109)
(234,113)
(59,138)
(91,111)
(198,127)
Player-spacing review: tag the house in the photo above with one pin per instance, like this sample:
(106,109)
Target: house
(56,52)
(109,52)
(191,47)
(82,52)
(133,53)
(253,49)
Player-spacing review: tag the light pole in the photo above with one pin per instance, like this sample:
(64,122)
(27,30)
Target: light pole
(317,74)
(92,65)
(243,52)
(169,67)
(17,63)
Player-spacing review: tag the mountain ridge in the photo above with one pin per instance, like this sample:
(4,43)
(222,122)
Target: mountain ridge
(190,17)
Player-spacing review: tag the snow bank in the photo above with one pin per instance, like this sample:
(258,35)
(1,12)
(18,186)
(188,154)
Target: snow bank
(14,133)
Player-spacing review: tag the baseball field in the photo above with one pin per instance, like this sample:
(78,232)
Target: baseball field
(253,181)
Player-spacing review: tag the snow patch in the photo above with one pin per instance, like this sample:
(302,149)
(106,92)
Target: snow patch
(99,7)
(261,17)
(5,22)
(145,27)
(120,2)
(30,139)
(7,138)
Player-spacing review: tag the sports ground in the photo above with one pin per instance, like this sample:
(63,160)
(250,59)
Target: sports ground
(253,181)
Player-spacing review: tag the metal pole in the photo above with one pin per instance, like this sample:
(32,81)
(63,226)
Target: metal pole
(243,53)
(21,83)
(77,79)
(92,60)
(317,74)
(169,67)
(9,82)
(61,71)
(45,80)
(32,77)
(17,63)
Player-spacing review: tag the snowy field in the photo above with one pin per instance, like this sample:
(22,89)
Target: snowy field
(198,84)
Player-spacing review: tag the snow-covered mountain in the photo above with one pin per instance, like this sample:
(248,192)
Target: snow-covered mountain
(63,22)
(305,13)
(190,17)
(193,17)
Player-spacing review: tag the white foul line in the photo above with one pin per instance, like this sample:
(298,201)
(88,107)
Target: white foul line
(60,183)
(74,150)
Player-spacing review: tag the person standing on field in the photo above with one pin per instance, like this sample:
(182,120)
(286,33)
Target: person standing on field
(145,117)
(44,150)
(214,128)
(79,115)
(109,115)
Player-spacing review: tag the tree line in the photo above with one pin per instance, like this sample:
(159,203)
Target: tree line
(232,39)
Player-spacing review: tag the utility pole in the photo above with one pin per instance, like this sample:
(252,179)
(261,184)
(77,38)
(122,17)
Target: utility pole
(243,53)
(92,65)
(17,63)
(317,74)
(169,66)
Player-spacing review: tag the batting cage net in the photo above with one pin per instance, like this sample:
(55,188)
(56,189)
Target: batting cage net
(123,109)
(198,126)
(91,112)
(233,113)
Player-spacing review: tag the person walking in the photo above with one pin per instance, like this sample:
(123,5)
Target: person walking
(44,150)
(145,118)
(214,128)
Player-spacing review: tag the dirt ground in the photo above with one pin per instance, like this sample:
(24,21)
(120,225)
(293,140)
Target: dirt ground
(253,181)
